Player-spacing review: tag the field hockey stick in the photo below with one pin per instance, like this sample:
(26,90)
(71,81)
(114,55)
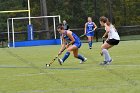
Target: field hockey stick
(47,65)
(104,39)
(86,33)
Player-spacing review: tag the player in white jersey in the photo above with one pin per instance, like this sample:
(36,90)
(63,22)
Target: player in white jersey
(113,39)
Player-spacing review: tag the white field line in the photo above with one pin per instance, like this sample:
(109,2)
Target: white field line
(35,74)
(125,65)
(76,88)
(12,66)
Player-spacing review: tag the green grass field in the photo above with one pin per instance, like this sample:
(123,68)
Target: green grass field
(22,70)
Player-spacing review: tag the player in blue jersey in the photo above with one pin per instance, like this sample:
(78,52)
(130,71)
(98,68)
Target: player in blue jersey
(72,42)
(89,31)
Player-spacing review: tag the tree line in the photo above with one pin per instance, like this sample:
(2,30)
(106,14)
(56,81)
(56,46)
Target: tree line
(120,12)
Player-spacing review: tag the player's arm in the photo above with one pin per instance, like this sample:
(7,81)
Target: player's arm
(62,46)
(85,29)
(95,26)
(69,34)
(107,31)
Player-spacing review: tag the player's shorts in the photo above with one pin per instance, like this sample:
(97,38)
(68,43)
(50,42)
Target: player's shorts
(90,34)
(78,45)
(113,42)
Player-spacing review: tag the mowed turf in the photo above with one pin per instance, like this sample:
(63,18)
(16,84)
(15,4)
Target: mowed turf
(22,70)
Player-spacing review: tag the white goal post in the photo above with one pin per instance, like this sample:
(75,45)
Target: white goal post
(23,18)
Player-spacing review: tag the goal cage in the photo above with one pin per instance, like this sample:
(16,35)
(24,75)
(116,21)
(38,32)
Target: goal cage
(42,31)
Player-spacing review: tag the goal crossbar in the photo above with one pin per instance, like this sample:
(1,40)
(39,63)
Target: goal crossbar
(36,17)
(14,11)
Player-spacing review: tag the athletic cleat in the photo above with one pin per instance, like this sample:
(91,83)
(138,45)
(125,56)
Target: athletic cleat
(60,61)
(85,59)
(90,47)
(104,63)
(109,62)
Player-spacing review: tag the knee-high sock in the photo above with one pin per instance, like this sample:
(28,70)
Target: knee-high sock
(81,57)
(90,43)
(106,55)
(66,56)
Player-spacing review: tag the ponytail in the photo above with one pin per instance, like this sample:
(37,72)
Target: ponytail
(105,20)
(108,22)
(60,26)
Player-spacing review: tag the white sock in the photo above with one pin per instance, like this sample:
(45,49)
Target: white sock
(106,55)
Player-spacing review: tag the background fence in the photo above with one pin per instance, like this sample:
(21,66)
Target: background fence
(126,33)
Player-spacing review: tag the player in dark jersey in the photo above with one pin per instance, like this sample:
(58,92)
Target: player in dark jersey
(73,45)
(65,24)
(89,31)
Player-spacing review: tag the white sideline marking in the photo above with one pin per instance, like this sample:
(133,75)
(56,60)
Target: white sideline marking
(12,66)
(75,89)
(125,65)
(31,74)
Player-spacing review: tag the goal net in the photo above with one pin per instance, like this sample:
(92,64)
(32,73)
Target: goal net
(43,28)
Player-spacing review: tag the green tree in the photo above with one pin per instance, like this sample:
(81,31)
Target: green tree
(122,12)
